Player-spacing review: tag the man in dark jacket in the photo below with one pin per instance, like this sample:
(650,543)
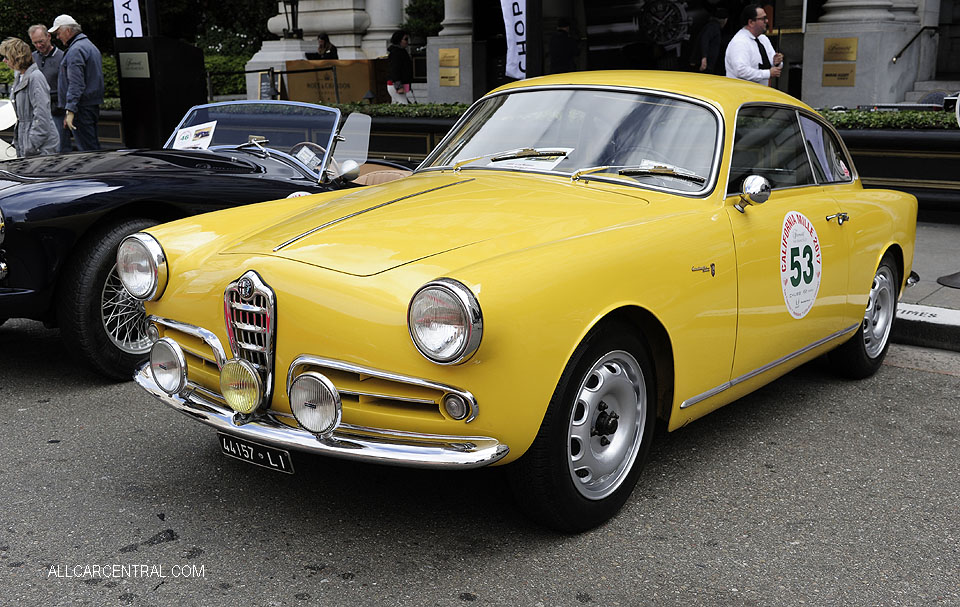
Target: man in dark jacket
(399,67)
(48,58)
(80,82)
(706,54)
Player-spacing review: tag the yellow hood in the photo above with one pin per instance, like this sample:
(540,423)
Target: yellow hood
(373,229)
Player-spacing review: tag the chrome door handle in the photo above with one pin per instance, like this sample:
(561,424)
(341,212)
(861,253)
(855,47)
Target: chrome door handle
(840,217)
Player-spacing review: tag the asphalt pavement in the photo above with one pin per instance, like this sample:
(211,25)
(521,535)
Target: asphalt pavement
(929,311)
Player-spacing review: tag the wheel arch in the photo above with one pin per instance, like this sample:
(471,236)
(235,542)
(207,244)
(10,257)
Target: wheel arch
(655,335)
(895,251)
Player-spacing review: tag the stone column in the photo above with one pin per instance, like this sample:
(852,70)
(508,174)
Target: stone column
(385,18)
(456,35)
(905,11)
(458,17)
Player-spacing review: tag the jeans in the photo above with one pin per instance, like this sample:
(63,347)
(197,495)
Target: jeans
(85,120)
(65,143)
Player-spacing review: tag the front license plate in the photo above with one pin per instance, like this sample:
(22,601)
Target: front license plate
(255,453)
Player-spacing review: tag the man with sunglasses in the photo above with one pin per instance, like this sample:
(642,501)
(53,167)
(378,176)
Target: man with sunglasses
(750,56)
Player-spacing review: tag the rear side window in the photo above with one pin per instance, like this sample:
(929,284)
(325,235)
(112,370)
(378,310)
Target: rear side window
(830,164)
(768,142)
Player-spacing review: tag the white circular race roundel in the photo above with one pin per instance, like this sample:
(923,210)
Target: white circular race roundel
(800,264)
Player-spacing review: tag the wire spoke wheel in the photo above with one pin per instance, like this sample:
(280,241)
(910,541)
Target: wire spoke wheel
(881,307)
(606,426)
(124,318)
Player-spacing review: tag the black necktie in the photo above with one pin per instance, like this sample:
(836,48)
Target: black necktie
(764,60)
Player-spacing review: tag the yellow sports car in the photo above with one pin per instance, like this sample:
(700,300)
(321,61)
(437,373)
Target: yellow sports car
(582,257)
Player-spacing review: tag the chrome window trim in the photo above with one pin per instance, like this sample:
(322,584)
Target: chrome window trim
(767,367)
(854,176)
(362,211)
(208,337)
(305,360)
(715,167)
(823,125)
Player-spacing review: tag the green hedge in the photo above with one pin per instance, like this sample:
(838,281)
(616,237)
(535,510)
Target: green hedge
(413,110)
(910,119)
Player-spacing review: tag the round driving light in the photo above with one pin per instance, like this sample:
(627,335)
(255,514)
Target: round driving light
(445,322)
(152,333)
(168,365)
(240,386)
(315,403)
(142,266)
(455,406)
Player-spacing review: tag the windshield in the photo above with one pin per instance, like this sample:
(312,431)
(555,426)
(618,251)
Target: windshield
(642,138)
(272,125)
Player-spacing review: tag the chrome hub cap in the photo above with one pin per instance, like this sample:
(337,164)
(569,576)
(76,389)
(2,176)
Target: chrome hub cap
(606,425)
(878,319)
(123,317)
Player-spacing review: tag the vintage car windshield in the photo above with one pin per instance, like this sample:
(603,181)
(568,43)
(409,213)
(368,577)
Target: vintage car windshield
(301,130)
(647,139)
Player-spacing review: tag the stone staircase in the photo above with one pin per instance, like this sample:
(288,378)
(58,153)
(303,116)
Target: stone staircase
(922,89)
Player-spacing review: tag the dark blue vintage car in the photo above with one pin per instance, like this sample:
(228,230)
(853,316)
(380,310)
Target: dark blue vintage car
(62,217)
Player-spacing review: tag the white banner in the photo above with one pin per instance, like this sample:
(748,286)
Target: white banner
(126,16)
(515,23)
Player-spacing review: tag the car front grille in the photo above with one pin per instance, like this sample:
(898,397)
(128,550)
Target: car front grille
(249,308)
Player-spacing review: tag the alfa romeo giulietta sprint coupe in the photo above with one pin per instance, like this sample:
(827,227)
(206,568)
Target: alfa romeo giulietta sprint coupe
(584,256)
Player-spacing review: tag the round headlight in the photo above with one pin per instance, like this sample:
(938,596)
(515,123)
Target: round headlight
(240,386)
(315,403)
(168,365)
(445,322)
(142,266)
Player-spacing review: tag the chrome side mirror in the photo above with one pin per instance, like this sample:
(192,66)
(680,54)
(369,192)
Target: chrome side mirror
(755,190)
(349,170)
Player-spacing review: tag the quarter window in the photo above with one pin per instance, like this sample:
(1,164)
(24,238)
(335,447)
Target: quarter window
(768,142)
(830,164)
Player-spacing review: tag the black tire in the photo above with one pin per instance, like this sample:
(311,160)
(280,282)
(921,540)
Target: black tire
(862,354)
(554,481)
(87,313)
(2,320)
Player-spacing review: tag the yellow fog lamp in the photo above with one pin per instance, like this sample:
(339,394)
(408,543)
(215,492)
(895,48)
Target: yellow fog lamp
(240,386)
(315,402)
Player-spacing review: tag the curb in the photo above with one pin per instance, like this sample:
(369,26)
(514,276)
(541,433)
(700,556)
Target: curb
(927,326)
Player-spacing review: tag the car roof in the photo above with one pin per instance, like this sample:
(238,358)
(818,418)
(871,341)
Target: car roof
(720,91)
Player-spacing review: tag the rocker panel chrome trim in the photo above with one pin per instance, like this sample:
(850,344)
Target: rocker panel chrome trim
(722,387)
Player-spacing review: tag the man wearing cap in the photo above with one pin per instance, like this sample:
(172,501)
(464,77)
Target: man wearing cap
(80,82)
(750,56)
(48,58)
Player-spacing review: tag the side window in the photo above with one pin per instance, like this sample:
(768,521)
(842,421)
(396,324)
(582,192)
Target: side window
(830,164)
(768,142)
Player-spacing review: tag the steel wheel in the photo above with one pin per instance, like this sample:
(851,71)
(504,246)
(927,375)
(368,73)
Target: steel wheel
(881,307)
(606,426)
(124,319)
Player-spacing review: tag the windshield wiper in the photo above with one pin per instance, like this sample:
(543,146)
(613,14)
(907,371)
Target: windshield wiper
(513,155)
(645,168)
(256,143)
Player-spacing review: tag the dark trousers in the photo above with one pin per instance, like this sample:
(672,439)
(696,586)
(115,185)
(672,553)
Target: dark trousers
(85,132)
(64,132)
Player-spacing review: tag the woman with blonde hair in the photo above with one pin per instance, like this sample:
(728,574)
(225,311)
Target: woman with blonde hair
(36,133)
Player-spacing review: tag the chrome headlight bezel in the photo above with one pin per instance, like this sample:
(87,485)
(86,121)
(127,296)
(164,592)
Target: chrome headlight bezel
(470,314)
(173,353)
(148,251)
(323,387)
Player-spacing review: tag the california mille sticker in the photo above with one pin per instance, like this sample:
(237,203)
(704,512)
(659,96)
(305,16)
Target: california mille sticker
(800,264)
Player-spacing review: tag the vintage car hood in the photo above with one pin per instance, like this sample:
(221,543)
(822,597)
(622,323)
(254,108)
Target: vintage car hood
(374,229)
(129,162)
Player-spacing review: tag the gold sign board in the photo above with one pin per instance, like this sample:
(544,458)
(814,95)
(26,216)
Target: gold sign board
(449,76)
(840,49)
(839,74)
(449,57)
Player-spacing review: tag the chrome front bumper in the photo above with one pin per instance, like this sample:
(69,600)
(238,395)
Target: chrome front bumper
(349,442)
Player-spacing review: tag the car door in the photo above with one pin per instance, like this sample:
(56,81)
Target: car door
(791,250)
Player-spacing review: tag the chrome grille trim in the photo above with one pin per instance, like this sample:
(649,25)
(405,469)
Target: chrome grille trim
(208,337)
(306,360)
(250,320)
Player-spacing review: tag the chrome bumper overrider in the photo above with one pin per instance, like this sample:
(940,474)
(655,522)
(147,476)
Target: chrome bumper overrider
(350,442)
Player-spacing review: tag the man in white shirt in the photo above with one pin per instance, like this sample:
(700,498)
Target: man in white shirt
(744,59)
